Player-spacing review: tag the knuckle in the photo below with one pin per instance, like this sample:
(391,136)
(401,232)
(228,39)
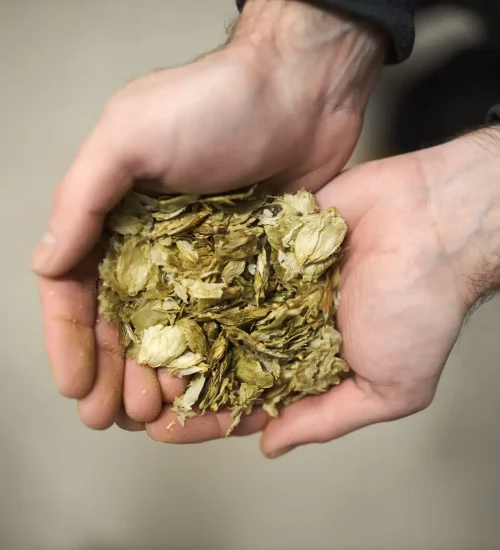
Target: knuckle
(140,411)
(71,389)
(122,102)
(118,123)
(96,419)
(112,350)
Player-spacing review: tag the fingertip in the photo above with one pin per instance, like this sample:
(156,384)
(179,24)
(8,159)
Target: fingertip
(75,389)
(72,359)
(68,307)
(94,417)
(140,409)
(171,386)
(99,409)
(277,453)
(141,392)
(124,422)
(42,257)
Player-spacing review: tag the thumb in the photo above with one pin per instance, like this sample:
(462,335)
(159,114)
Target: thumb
(319,419)
(96,181)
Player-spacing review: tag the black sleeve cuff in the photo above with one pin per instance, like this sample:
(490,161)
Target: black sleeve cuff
(493,116)
(395,17)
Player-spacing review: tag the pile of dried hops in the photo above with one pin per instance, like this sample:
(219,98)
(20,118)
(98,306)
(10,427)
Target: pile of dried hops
(238,292)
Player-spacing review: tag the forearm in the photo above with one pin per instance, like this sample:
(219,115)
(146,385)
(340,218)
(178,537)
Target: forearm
(463,179)
(394,17)
(332,58)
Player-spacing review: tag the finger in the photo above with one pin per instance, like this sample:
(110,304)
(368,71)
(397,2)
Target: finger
(141,392)
(319,419)
(99,409)
(124,422)
(171,386)
(96,181)
(68,306)
(167,429)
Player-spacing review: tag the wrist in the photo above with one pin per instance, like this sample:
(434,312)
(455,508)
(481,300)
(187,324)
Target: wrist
(327,58)
(463,179)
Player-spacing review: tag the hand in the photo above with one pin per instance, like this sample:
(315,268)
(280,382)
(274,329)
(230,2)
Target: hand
(290,87)
(423,248)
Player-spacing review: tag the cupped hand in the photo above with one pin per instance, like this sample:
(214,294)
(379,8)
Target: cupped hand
(272,105)
(421,230)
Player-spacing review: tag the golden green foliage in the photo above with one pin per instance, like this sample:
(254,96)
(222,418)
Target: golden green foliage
(237,291)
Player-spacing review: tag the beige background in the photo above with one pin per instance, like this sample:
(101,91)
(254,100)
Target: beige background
(427,482)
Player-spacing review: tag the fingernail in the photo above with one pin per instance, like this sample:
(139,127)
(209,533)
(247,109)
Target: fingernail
(281,452)
(43,253)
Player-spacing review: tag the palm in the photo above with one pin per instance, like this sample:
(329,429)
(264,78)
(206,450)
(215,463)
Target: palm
(400,311)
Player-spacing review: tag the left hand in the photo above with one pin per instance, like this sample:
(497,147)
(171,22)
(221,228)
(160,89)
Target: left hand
(421,229)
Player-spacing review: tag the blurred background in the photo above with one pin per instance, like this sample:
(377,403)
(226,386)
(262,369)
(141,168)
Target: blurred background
(427,482)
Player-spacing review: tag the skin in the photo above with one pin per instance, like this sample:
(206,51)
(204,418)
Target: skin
(423,248)
(424,228)
(286,62)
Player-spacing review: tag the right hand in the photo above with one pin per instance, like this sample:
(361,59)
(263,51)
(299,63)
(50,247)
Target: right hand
(423,248)
(288,90)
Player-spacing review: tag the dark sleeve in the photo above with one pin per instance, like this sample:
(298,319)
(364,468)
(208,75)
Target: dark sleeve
(395,17)
(493,116)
